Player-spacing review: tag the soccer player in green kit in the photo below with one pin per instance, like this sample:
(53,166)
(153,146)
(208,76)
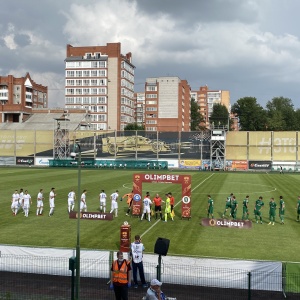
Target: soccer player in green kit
(210,207)
(281,209)
(228,204)
(272,211)
(234,206)
(245,209)
(298,209)
(257,210)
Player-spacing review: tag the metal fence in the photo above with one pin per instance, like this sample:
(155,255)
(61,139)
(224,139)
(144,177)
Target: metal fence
(184,283)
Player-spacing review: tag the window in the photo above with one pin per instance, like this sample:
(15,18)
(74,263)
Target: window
(102,100)
(94,91)
(78,91)
(69,100)
(70,82)
(151,128)
(94,82)
(86,73)
(94,73)
(102,118)
(86,82)
(101,108)
(102,91)
(152,88)
(78,82)
(151,108)
(70,73)
(151,96)
(94,118)
(86,100)
(78,73)
(94,64)
(78,100)
(151,122)
(86,91)
(70,92)
(93,100)
(102,126)
(102,73)
(102,82)
(102,64)
(151,102)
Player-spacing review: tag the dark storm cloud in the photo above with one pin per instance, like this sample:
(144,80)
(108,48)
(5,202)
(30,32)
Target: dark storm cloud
(40,16)
(201,10)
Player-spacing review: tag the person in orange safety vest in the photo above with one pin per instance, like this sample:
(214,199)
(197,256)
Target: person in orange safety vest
(120,277)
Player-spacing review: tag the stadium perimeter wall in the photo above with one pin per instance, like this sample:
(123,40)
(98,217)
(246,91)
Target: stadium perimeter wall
(186,150)
(265,275)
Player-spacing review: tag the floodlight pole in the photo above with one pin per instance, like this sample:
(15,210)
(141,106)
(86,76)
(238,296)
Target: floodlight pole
(77,295)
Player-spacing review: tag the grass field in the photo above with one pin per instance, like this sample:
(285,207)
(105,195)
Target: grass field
(262,242)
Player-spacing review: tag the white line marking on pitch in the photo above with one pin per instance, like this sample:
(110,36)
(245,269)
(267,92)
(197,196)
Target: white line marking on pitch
(176,205)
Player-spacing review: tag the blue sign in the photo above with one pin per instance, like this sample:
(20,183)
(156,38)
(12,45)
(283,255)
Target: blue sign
(137,197)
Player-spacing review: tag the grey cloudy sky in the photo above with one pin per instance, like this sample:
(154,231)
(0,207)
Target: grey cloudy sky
(249,47)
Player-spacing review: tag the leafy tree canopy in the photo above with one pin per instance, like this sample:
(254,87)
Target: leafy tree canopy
(134,126)
(196,117)
(219,115)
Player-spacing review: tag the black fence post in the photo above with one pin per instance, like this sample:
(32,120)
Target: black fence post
(249,286)
(158,271)
(72,267)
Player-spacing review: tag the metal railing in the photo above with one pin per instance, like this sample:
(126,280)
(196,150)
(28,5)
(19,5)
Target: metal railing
(179,281)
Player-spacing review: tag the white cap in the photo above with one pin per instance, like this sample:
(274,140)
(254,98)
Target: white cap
(155,282)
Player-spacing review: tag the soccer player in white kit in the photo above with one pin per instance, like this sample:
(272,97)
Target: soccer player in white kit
(21,200)
(102,199)
(114,204)
(26,203)
(83,206)
(52,196)
(71,200)
(39,203)
(15,202)
(146,207)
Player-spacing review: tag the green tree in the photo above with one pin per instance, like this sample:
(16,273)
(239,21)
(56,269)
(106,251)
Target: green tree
(219,115)
(297,116)
(134,126)
(196,117)
(281,114)
(252,116)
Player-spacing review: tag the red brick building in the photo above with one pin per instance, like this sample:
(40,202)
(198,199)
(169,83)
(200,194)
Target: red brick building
(18,96)
(100,79)
(167,104)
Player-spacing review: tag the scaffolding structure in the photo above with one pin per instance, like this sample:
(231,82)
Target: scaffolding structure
(218,148)
(61,149)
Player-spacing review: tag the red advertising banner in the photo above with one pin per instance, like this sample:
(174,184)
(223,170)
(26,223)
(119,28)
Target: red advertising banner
(125,232)
(239,224)
(91,216)
(239,165)
(184,180)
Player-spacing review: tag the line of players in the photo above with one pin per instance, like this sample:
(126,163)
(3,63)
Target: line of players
(21,200)
(157,201)
(232,205)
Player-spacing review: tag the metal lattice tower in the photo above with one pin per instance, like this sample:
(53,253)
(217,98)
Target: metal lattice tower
(218,148)
(61,149)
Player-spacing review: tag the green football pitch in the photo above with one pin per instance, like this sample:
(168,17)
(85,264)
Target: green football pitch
(187,237)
